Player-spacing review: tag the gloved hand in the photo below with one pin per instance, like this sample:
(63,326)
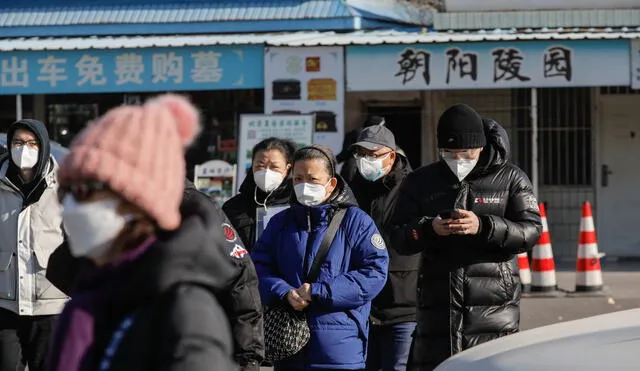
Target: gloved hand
(420,227)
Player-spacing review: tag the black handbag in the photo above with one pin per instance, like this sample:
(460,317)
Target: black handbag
(286,330)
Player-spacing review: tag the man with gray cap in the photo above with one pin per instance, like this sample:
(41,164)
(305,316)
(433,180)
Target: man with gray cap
(381,170)
(469,215)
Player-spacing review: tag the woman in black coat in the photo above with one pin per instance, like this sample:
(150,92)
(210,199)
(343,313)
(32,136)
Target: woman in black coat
(267,186)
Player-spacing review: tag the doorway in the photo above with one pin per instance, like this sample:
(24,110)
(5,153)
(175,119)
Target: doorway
(618,202)
(405,122)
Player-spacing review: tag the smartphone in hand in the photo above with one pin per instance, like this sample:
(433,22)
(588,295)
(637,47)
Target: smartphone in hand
(448,214)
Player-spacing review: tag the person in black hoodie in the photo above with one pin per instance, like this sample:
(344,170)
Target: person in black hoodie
(381,170)
(149,299)
(30,231)
(468,214)
(267,186)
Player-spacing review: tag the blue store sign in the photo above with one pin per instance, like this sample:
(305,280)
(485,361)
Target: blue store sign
(132,70)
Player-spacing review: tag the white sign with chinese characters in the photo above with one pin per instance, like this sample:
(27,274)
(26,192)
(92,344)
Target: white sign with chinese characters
(488,65)
(255,127)
(635,64)
(305,81)
(216,178)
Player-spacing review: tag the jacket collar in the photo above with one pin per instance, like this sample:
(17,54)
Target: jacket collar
(50,171)
(312,218)
(398,172)
(280,195)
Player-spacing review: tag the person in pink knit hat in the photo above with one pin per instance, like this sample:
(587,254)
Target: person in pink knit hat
(147,300)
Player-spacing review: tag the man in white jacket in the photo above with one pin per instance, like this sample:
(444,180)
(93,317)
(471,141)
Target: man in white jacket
(30,230)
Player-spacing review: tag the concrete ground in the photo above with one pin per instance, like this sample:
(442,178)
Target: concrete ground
(621,291)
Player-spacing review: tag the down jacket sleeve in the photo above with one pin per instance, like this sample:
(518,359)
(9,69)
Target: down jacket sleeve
(521,227)
(367,269)
(272,287)
(407,225)
(196,335)
(242,304)
(240,298)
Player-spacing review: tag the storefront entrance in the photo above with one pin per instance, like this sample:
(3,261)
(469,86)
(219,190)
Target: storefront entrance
(405,123)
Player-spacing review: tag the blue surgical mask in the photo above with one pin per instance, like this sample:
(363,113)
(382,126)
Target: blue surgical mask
(371,168)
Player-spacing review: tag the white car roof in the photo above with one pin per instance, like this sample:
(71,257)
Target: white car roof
(606,342)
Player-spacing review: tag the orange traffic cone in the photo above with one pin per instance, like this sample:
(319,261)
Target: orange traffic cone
(588,269)
(543,270)
(525,271)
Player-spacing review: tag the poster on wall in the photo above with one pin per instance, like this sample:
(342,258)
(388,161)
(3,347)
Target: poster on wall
(308,81)
(217,179)
(635,64)
(256,127)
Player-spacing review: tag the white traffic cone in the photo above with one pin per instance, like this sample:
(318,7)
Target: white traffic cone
(588,269)
(525,271)
(543,268)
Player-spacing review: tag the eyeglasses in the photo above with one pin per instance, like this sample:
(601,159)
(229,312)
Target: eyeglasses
(468,154)
(81,191)
(30,143)
(359,154)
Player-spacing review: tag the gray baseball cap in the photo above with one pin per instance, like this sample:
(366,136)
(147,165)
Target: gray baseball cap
(375,137)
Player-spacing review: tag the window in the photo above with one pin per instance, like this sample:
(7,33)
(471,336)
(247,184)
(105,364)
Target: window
(564,135)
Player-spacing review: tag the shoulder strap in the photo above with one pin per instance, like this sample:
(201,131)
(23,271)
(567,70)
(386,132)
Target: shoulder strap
(323,250)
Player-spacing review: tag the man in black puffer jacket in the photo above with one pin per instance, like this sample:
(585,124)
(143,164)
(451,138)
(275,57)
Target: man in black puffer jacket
(468,288)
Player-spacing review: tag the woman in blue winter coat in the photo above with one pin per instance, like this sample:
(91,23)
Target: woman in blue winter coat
(338,302)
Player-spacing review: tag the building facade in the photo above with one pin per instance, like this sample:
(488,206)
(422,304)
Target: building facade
(561,81)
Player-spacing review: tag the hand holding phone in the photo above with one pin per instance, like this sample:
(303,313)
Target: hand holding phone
(448,214)
(466,223)
(441,224)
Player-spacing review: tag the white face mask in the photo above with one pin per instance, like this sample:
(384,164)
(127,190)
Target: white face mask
(311,194)
(268,180)
(24,157)
(372,169)
(91,226)
(461,168)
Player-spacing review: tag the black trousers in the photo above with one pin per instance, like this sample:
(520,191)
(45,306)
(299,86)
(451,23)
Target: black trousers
(24,340)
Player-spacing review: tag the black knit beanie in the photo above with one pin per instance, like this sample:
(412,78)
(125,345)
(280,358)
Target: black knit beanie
(460,127)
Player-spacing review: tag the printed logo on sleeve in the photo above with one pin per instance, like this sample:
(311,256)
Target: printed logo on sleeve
(238,252)
(532,203)
(488,200)
(229,233)
(378,242)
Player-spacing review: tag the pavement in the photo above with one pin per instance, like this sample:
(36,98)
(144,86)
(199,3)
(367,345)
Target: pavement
(621,291)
